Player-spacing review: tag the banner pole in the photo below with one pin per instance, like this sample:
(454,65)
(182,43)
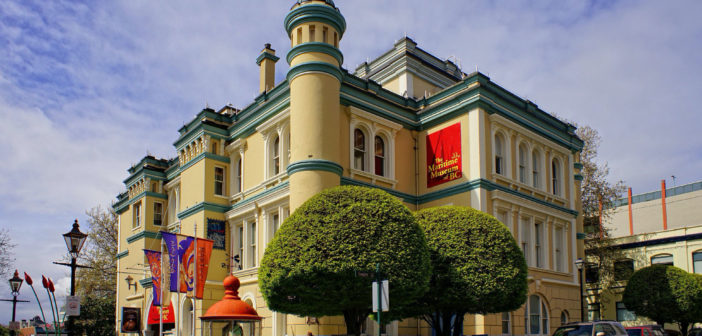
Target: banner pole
(178,318)
(160,317)
(194,278)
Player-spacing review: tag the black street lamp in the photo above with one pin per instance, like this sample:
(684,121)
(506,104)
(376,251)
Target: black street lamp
(15,284)
(579,264)
(74,242)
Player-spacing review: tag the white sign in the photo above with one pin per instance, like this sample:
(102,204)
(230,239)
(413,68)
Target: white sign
(73,305)
(384,295)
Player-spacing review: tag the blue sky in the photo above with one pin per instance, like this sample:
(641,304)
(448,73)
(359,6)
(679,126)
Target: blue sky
(88,88)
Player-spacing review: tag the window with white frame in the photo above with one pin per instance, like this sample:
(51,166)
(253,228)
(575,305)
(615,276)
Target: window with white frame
(499,154)
(523,163)
(525,234)
(559,251)
(219,181)
(158,213)
(372,140)
(251,244)
(536,169)
(556,177)
(238,175)
(502,216)
(275,224)
(379,156)
(275,155)
(535,316)
(239,246)
(359,149)
(136,222)
(538,241)
(506,324)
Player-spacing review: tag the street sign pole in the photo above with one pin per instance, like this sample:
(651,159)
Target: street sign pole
(380,290)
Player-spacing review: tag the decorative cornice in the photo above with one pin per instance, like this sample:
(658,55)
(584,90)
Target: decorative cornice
(308,67)
(240,204)
(203,206)
(316,165)
(143,234)
(122,206)
(577,165)
(315,13)
(319,47)
(581,235)
(266,55)
(146,283)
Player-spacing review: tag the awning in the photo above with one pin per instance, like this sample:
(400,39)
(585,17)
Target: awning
(168,316)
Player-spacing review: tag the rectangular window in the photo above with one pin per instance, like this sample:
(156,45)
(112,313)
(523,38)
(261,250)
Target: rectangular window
(526,237)
(312,33)
(325,32)
(593,312)
(538,235)
(240,245)
(559,251)
(504,218)
(219,181)
(623,314)
(697,262)
(592,273)
(275,224)
(505,324)
(238,175)
(252,244)
(158,213)
(623,269)
(137,215)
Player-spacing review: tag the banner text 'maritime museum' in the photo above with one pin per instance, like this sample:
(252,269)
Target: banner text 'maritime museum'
(444,155)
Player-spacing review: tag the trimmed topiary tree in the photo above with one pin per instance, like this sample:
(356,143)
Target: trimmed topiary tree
(665,293)
(478,267)
(311,266)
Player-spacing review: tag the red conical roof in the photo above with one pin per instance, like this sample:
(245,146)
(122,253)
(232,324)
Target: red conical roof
(231,307)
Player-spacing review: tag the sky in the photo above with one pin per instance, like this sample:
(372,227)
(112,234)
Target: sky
(87,88)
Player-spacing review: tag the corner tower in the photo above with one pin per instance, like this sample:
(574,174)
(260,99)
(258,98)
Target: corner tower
(315,28)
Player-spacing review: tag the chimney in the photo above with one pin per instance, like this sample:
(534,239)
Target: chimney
(631,215)
(266,62)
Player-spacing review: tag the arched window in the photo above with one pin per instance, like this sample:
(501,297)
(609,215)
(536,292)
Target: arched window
(379,156)
(556,177)
(499,154)
(663,259)
(535,316)
(359,149)
(522,163)
(536,169)
(276,155)
(564,317)
(187,317)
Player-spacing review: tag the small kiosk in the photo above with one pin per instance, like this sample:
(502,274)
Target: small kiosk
(231,316)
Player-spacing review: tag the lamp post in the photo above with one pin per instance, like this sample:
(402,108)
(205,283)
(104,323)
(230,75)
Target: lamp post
(15,284)
(579,264)
(74,242)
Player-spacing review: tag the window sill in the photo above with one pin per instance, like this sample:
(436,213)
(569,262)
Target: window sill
(245,272)
(528,189)
(374,178)
(275,180)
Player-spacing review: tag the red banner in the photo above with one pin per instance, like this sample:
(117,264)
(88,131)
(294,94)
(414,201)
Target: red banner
(155,311)
(444,155)
(203,253)
(154,259)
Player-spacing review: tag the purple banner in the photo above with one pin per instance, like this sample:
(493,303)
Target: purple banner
(181,258)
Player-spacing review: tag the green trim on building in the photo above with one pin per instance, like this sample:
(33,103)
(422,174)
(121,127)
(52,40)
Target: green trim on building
(266,55)
(315,13)
(577,165)
(143,234)
(123,206)
(201,156)
(122,254)
(267,105)
(458,189)
(581,235)
(255,197)
(319,47)
(146,283)
(323,67)
(316,165)
(202,206)
(198,131)
(578,177)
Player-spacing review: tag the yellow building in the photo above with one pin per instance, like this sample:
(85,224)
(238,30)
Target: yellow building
(658,227)
(240,172)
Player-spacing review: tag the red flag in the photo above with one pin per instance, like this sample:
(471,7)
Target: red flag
(44,282)
(204,251)
(28,279)
(51,285)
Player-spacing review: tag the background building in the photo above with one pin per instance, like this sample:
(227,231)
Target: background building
(658,227)
(407,122)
